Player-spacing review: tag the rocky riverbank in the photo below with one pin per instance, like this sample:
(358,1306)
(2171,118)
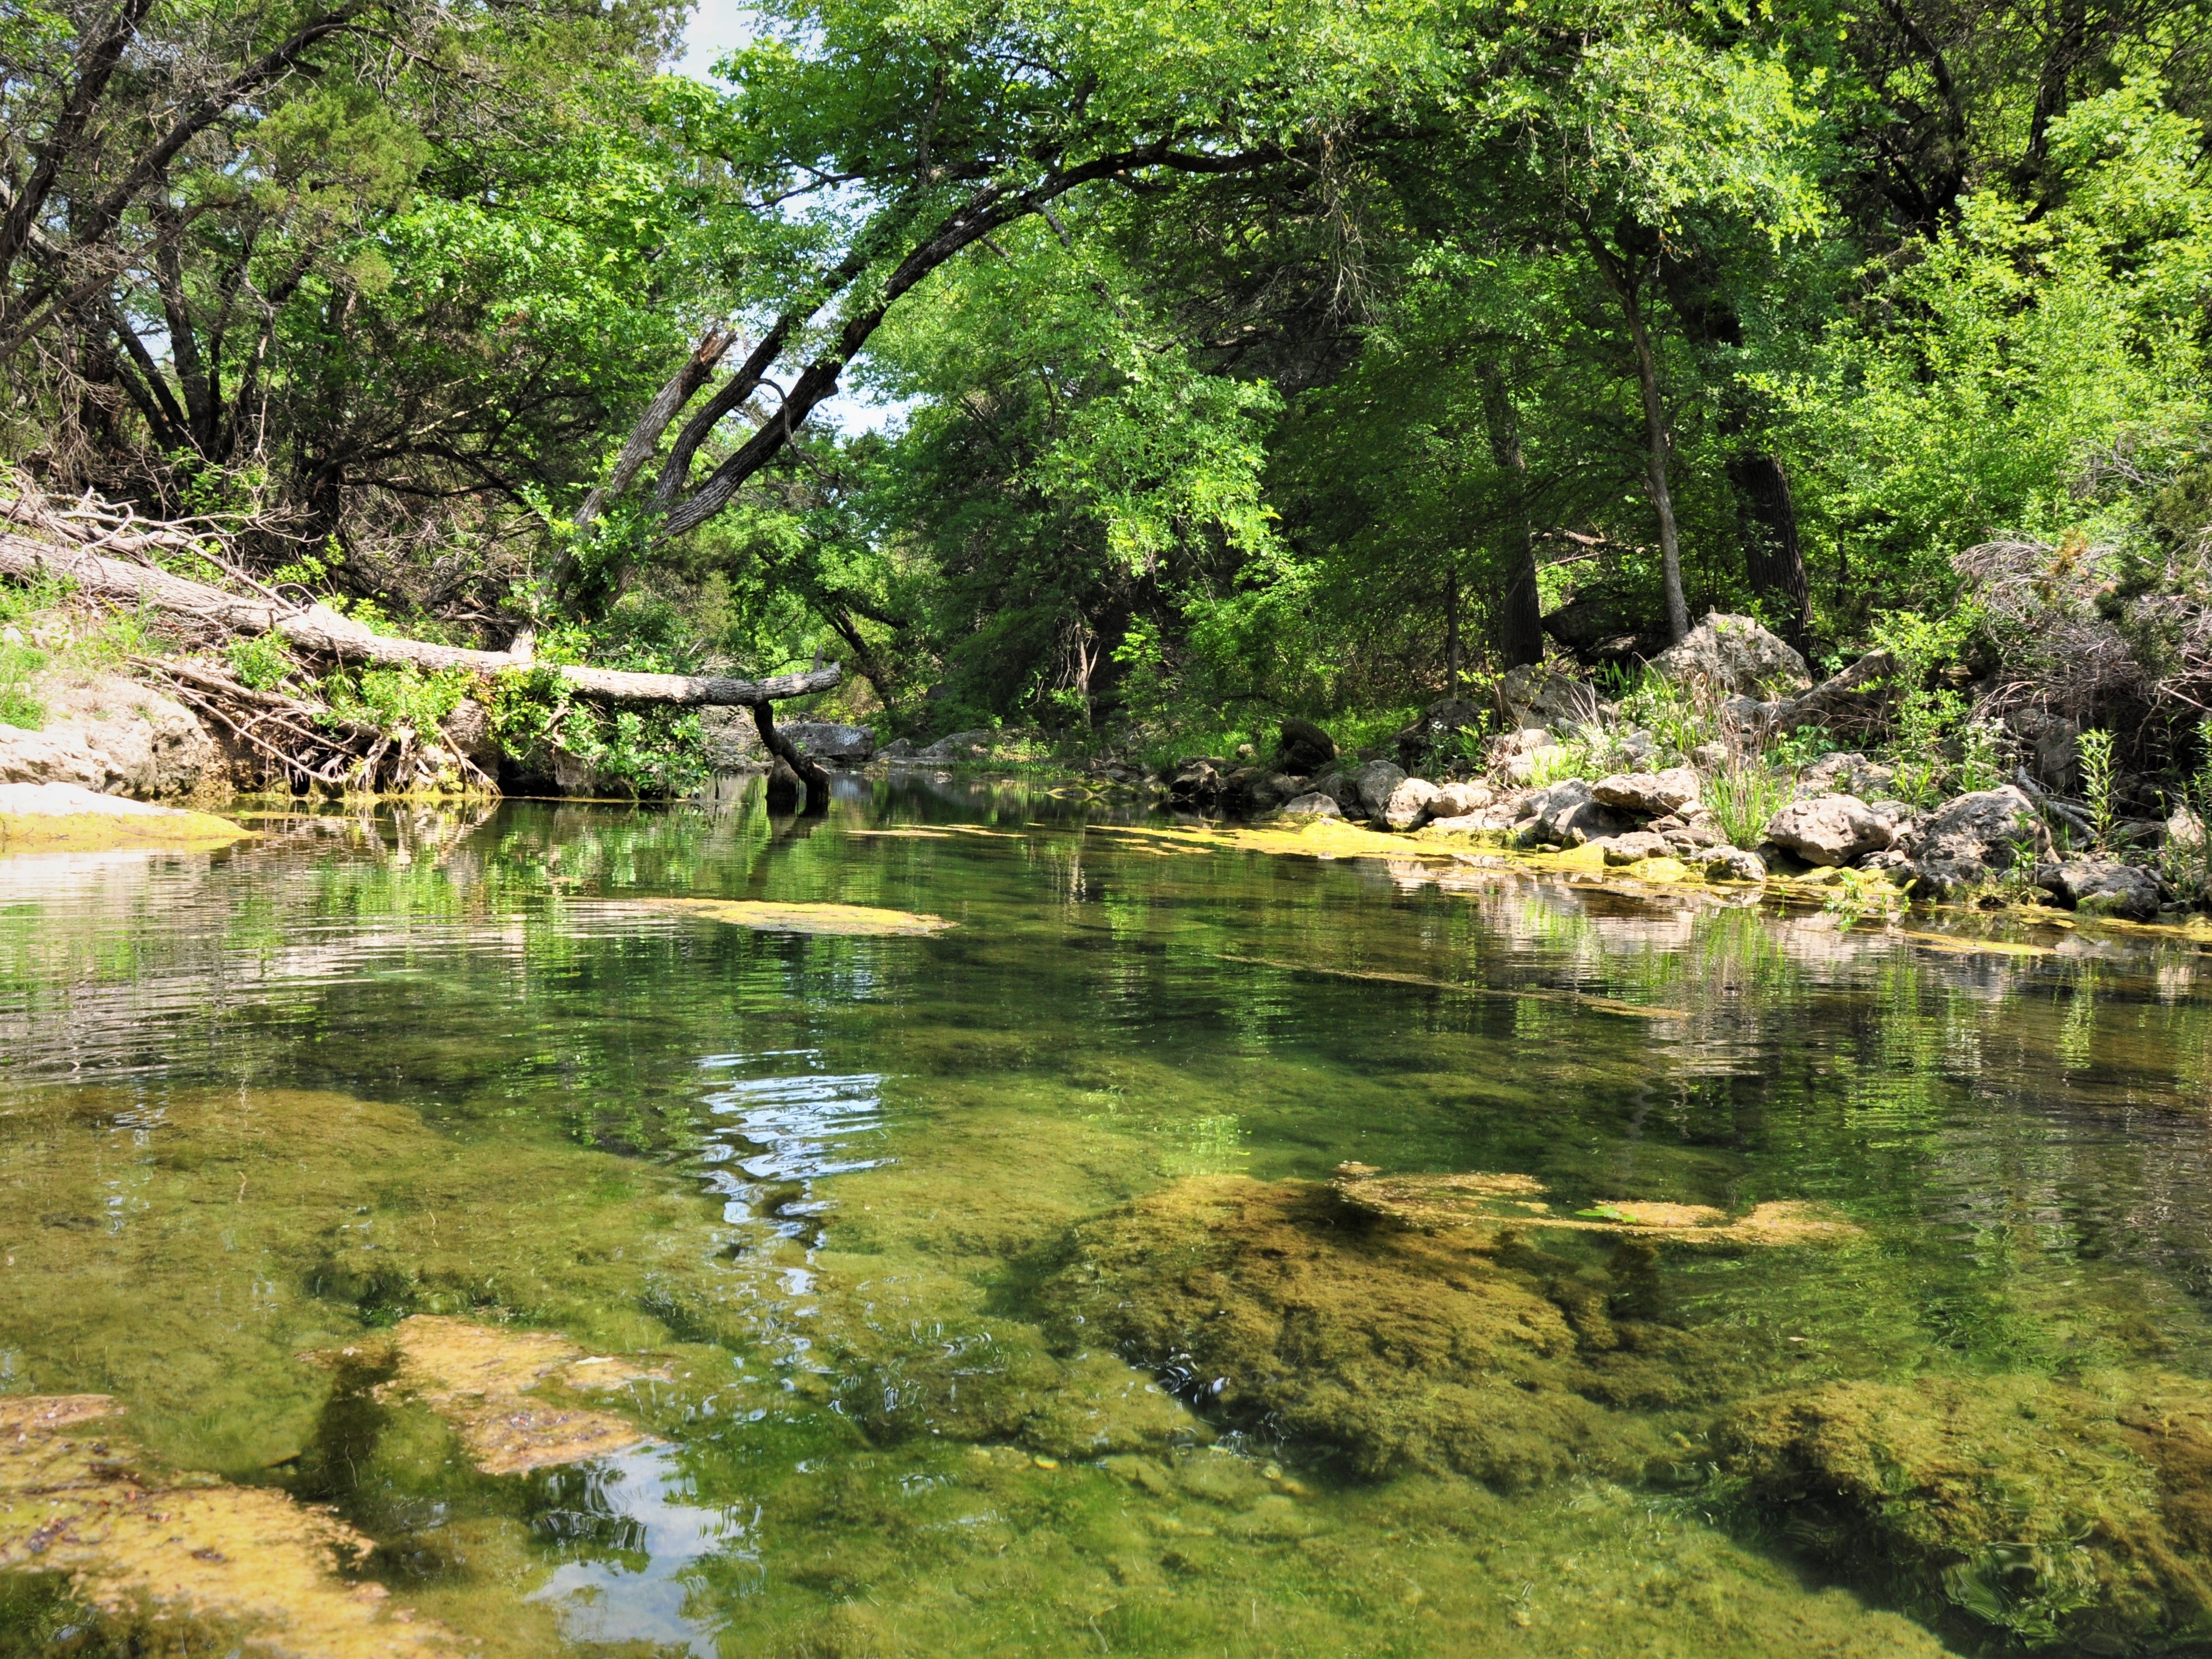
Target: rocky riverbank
(1748,785)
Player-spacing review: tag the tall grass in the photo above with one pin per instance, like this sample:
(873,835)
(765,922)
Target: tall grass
(1745,797)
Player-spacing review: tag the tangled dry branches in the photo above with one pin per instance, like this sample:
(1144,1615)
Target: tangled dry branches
(2087,632)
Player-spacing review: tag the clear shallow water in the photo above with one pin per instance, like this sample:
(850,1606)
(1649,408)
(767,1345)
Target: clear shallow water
(259,1105)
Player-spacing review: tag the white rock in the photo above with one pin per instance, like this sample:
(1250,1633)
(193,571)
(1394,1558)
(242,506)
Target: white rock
(1655,794)
(1734,653)
(1409,804)
(1829,829)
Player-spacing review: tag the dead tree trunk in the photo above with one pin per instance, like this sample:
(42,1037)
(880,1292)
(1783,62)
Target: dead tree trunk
(808,770)
(65,548)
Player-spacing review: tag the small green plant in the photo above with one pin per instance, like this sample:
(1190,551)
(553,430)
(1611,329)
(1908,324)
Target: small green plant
(1671,712)
(261,662)
(2185,857)
(1744,798)
(1858,895)
(399,696)
(1978,766)
(1926,713)
(2095,748)
(19,705)
(1555,762)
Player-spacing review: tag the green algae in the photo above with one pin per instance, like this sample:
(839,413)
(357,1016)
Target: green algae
(1278,1304)
(2034,1508)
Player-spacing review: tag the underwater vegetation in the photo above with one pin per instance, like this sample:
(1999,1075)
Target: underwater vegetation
(1109,1273)
(2027,1506)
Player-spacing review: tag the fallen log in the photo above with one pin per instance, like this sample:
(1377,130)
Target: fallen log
(316,628)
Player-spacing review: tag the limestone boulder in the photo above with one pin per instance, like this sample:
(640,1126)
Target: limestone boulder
(1535,695)
(824,740)
(1457,799)
(1830,829)
(1375,783)
(1409,807)
(112,735)
(1653,794)
(1964,842)
(1735,653)
(1567,814)
(1735,864)
(1310,806)
(1857,699)
(1633,847)
(2095,887)
(972,744)
(1846,772)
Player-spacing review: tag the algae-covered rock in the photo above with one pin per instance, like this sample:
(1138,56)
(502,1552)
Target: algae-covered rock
(2040,1508)
(1282,1306)
(75,1499)
(486,1380)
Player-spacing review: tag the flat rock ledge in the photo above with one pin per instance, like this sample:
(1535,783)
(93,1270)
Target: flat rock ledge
(66,818)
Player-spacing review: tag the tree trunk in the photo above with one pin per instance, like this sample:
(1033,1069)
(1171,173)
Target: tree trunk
(1521,611)
(1451,635)
(808,769)
(318,629)
(1625,279)
(1774,563)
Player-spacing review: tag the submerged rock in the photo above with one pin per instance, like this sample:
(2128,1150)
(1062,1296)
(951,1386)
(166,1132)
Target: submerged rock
(134,1537)
(2026,1506)
(1278,1303)
(488,1382)
(66,818)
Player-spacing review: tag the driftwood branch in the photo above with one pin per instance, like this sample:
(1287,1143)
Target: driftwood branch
(68,546)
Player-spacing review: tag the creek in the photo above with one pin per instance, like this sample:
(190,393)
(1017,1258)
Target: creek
(947,1267)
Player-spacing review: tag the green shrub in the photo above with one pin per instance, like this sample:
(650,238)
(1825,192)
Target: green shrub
(261,662)
(19,705)
(396,696)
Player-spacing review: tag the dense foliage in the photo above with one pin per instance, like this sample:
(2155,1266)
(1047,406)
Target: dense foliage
(1240,360)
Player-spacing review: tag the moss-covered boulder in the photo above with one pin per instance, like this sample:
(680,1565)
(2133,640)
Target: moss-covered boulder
(1281,1306)
(2044,1511)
